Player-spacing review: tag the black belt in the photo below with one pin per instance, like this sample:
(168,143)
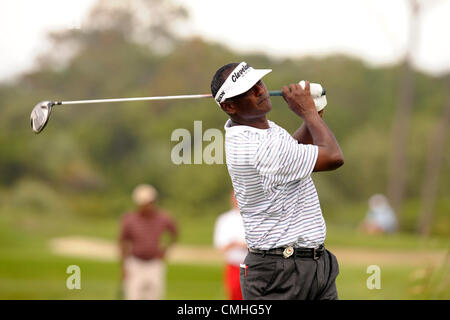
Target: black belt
(287,252)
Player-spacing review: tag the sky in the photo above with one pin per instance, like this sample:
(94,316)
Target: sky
(375,31)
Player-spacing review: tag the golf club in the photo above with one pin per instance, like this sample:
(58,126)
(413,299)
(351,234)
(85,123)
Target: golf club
(41,112)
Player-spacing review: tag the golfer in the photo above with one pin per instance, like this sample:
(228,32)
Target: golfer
(271,175)
(142,251)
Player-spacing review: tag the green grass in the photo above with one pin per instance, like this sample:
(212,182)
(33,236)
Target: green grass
(350,237)
(192,282)
(43,276)
(39,275)
(396,283)
(29,271)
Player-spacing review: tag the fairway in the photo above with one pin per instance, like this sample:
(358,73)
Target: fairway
(43,276)
(29,269)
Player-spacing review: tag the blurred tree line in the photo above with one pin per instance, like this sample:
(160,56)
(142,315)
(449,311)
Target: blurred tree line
(90,157)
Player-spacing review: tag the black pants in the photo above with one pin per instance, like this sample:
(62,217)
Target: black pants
(276,278)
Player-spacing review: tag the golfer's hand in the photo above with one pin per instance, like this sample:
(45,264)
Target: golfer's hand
(299,100)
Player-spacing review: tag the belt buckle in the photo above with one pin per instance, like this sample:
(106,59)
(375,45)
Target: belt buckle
(288,251)
(315,256)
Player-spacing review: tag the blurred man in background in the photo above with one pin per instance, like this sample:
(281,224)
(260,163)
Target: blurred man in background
(142,251)
(229,237)
(380,218)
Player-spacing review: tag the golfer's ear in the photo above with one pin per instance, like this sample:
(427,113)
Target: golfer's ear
(228,108)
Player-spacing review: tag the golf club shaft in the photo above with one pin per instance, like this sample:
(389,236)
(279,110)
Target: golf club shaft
(192,96)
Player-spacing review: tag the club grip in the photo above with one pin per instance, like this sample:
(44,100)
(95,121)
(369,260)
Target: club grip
(279,93)
(275,93)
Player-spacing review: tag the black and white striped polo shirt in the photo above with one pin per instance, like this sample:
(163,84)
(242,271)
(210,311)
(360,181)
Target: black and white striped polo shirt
(271,176)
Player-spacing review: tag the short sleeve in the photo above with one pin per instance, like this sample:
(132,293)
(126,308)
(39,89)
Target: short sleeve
(282,160)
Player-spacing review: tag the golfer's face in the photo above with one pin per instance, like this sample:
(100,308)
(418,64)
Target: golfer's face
(254,102)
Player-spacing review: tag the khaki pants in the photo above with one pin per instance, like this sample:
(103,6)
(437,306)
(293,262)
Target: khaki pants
(145,279)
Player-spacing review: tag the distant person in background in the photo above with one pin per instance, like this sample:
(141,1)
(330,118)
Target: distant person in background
(229,237)
(381,217)
(142,251)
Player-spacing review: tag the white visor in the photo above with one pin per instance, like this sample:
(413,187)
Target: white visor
(240,80)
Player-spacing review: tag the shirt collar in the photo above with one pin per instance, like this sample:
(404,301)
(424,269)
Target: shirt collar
(229,128)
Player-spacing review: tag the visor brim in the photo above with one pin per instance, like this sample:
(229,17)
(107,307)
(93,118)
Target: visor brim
(250,80)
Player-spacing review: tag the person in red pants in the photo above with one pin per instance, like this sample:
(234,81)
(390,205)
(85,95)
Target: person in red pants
(229,238)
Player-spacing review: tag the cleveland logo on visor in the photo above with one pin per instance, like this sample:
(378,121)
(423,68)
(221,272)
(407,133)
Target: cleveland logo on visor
(236,75)
(240,80)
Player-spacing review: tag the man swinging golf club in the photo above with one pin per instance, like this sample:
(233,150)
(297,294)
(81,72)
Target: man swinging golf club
(271,174)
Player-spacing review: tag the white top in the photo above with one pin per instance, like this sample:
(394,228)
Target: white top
(229,228)
(271,176)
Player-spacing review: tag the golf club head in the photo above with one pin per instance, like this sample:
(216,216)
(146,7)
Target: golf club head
(40,115)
